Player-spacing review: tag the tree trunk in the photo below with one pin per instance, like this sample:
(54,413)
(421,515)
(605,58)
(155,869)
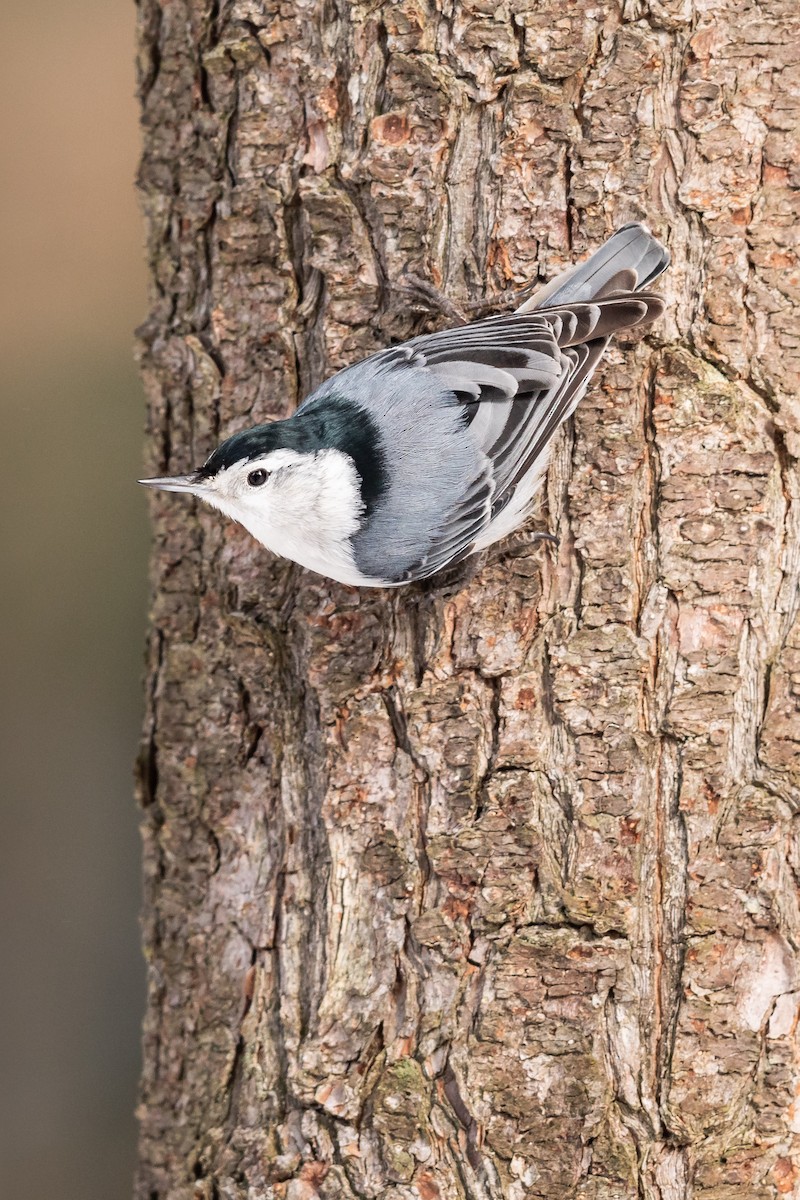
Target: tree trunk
(486,892)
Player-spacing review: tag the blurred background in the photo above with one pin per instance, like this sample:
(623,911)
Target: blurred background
(72,583)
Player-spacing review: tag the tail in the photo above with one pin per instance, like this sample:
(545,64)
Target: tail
(628,262)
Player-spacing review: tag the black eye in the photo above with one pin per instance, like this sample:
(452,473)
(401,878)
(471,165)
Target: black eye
(256,478)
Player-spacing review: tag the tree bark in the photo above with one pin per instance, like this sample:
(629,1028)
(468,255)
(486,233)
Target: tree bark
(486,892)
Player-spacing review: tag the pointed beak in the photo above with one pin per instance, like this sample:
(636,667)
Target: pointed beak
(177,483)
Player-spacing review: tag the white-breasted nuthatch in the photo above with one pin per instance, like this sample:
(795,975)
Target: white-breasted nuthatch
(432,450)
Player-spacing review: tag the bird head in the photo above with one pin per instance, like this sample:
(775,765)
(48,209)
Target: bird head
(292,494)
(243,475)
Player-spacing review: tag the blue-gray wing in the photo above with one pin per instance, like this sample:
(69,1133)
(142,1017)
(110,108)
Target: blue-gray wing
(470,412)
(517,379)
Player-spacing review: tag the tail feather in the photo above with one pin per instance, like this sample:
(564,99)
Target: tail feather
(629,261)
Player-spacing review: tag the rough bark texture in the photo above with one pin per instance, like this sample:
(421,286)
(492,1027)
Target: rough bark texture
(490,892)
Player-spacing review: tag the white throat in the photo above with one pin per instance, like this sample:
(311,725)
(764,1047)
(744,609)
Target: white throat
(307,511)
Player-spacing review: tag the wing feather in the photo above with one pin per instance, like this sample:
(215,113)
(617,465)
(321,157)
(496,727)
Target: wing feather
(455,536)
(518,377)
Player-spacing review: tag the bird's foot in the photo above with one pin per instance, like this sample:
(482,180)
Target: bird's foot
(434,300)
(515,543)
(429,297)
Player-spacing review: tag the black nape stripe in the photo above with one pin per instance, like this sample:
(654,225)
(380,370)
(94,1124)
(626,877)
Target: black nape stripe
(330,423)
(334,422)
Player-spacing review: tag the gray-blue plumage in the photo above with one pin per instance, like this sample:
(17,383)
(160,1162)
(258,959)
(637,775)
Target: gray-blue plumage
(439,444)
(515,379)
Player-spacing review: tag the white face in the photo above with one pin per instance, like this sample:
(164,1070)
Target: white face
(305,507)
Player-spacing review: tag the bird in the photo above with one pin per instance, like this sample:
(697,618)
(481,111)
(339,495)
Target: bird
(429,451)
